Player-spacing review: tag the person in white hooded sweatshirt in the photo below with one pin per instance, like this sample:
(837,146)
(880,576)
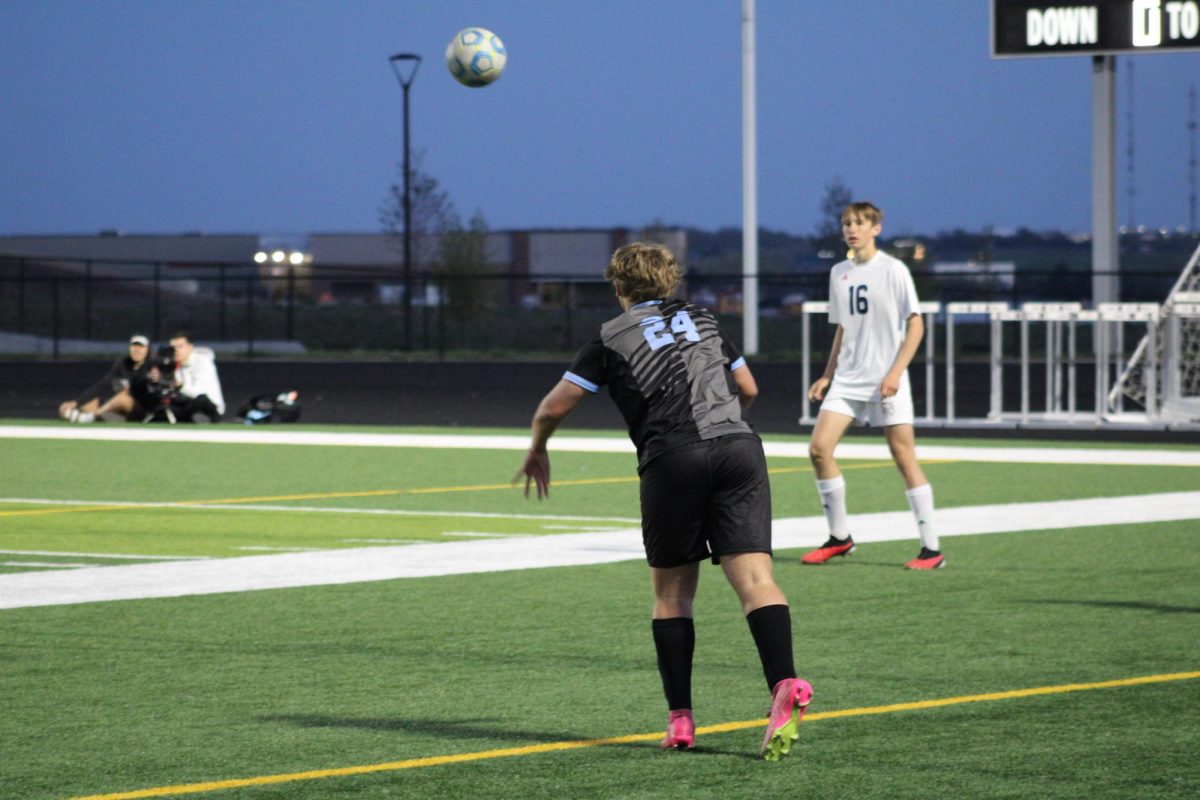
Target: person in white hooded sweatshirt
(200,398)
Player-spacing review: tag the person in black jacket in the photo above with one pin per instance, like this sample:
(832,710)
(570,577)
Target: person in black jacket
(115,395)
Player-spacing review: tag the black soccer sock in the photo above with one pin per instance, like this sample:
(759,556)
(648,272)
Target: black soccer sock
(771,627)
(675,642)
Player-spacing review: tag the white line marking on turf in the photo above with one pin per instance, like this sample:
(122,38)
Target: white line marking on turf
(482,535)
(121,556)
(355,565)
(217,505)
(579,444)
(265,548)
(381,541)
(578,528)
(52,564)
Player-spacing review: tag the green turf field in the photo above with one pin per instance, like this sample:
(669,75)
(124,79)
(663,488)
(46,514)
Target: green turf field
(474,685)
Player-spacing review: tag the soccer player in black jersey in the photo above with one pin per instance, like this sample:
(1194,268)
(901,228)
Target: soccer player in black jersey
(681,387)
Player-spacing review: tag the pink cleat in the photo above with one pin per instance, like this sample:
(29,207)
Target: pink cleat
(681,731)
(789,701)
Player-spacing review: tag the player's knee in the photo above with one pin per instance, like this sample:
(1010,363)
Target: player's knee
(820,452)
(669,607)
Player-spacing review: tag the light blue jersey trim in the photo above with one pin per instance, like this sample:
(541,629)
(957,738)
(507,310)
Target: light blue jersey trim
(741,362)
(647,303)
(582,383)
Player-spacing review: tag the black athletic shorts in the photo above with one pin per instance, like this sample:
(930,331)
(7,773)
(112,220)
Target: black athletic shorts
(712,498)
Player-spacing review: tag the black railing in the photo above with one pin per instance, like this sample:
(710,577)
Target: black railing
(353,310)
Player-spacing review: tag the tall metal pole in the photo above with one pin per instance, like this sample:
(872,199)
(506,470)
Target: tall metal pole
(1105,258)
(407,230)
(749,188)
(1191,126)
(399,62)
(1130,153)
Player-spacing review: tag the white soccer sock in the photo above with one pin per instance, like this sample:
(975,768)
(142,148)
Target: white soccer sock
(920,500)
(833,497)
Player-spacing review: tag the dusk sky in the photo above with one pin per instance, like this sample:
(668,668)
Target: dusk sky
(285,117)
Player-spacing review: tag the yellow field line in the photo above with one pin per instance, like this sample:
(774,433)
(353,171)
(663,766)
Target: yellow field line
(390,492)
(555,747)
(33,512)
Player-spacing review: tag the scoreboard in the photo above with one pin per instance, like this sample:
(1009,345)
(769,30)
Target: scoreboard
(1094,27)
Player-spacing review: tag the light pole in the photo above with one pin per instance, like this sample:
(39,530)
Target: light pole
(405,66)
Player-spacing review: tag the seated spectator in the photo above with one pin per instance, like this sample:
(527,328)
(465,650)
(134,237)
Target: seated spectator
(199,397)
(112,397)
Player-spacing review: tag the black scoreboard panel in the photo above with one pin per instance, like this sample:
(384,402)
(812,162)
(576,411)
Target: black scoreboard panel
(1093,27)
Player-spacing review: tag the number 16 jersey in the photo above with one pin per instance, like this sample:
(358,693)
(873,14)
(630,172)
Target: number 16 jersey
(872,302)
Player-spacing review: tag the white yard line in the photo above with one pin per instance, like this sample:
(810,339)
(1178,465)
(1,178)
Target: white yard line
(269,549)
(229,506)
(120,556)
(577,444)
(331,567)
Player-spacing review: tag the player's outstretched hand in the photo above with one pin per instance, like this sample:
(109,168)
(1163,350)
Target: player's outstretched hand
(816,392)
(536,469)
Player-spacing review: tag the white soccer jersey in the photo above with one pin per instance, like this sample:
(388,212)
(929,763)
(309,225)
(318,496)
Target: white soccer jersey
(872,302)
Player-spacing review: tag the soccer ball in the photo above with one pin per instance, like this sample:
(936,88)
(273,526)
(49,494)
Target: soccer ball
(476,57)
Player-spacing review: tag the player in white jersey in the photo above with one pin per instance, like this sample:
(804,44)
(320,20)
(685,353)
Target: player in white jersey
(874,303)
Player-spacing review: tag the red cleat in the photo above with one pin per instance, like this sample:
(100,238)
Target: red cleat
(833,547)
(927,559)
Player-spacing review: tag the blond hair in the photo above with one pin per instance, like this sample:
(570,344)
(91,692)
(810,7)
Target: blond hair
(643,271)
(867,211)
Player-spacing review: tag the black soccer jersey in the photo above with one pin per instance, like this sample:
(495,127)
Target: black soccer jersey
(667,366)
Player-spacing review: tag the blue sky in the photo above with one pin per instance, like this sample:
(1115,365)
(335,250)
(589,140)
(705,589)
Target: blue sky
(271,116)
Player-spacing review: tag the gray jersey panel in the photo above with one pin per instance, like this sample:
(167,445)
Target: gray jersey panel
(675,355)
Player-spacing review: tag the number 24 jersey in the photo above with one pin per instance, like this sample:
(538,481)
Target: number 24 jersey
(667,366)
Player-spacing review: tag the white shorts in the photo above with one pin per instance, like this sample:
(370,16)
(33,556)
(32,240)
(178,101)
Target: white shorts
(894,410)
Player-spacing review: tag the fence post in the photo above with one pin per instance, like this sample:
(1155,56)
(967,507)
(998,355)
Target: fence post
(291,303)
(157,302)
(221,303)
(930,310)
(569,296)
(54,332)
(21,296)
(87,300)
(250,318)
(441,318)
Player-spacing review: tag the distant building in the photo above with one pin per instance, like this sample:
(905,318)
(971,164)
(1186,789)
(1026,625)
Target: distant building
(975,277)
(361,266)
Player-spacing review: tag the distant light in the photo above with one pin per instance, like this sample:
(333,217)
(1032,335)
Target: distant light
(296,257)
(278,256)
(260,257)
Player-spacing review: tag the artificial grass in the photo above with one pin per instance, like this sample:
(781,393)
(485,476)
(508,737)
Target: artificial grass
(117,696)
(438,483)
